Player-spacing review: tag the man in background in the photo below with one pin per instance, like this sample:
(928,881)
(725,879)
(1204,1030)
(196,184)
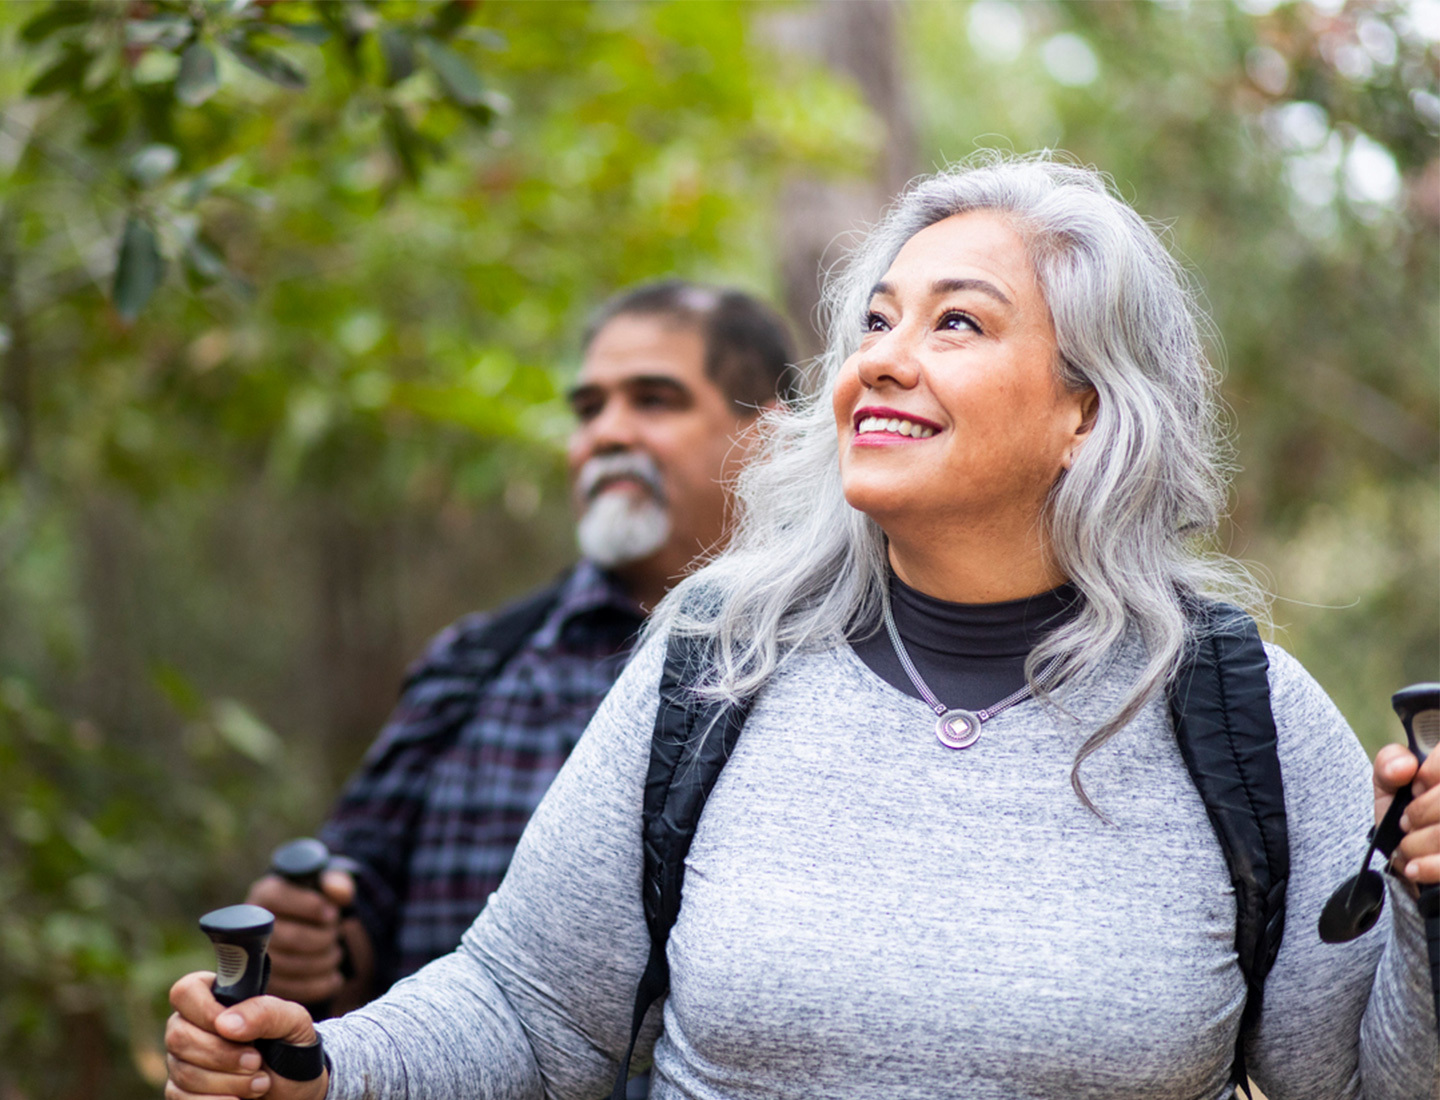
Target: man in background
(673,376)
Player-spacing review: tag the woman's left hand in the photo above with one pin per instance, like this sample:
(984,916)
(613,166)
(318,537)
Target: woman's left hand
(1417,859)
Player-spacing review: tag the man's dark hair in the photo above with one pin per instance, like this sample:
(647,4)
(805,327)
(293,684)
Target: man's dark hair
(748,354)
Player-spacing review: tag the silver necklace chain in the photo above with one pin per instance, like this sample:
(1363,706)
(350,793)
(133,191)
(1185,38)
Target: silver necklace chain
(957,728)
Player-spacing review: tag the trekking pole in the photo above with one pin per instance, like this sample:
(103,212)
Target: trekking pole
(300,862)
(240,934)
(1355,907)
(1419,709)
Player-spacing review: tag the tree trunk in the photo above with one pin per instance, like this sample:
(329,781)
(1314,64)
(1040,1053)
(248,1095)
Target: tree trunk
(858,40)
(358,625)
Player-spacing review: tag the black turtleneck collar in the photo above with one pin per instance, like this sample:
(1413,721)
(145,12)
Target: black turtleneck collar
(970,655)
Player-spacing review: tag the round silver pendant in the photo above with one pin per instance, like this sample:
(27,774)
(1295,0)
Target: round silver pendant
(958,729)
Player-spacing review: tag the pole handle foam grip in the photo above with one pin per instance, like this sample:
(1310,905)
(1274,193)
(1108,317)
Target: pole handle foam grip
(240,934)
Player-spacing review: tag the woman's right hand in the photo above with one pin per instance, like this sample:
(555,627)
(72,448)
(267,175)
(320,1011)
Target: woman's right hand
(208,1045)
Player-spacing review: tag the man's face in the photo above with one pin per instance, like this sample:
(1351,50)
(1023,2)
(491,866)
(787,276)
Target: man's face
(654,445)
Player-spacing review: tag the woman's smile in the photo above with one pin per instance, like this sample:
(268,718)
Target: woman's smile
(877,425)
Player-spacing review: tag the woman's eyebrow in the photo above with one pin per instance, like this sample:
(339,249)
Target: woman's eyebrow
(949,286)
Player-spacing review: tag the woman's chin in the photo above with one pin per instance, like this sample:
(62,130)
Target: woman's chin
(883,503)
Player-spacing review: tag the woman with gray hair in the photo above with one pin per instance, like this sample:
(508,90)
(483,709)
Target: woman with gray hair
(989,512)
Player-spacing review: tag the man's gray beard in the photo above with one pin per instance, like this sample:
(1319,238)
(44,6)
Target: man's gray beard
(618,528)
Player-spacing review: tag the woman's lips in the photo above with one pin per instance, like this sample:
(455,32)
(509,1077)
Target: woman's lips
(880,425)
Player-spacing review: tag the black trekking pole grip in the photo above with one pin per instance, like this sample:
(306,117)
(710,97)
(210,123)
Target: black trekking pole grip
(1418,707)
(240,934)
(300,862)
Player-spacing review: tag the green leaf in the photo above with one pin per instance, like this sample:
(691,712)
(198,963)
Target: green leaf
(312,34)
(58,16)
(245,733)
(139,269)
(152,164)
(203,262)
(482,114)
(213,177)
(486,38)
(254,197)
(337,17)
(179,690)
(199,76)
(451,17)
(460,81)
(267,63)
(67,74)
(404,141)
(108,122)
(399,55)
(165,31)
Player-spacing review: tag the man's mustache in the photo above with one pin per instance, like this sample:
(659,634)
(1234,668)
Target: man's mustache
(630,465)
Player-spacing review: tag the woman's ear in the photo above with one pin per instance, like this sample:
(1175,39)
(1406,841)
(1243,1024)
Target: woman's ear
(1089,410)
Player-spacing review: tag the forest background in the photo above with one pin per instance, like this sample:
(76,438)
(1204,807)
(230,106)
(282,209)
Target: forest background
(289,292)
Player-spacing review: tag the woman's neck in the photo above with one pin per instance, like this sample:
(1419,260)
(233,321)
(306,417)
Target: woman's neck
(974,572)
(970,655)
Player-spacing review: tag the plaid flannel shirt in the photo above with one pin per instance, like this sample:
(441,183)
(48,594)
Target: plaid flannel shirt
(433,815)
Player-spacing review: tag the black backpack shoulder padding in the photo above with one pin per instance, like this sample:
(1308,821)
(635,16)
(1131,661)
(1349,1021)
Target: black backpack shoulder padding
(1220,705)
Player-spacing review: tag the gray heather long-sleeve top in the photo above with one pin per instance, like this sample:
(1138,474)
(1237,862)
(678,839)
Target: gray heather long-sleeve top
(870,914)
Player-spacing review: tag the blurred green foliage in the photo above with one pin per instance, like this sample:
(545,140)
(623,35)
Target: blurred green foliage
(288,292)
(100,842)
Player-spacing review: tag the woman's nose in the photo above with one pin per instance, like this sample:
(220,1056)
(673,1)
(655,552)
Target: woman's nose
(890,359)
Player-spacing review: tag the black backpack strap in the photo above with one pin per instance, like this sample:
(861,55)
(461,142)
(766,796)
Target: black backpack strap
(693,740)
(1220,704)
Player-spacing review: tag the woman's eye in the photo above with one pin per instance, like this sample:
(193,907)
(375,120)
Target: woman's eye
(954,320)
(875,323)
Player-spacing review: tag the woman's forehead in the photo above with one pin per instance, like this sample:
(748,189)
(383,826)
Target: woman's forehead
(977,250)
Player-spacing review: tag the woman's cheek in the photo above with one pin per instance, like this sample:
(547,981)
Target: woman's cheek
(845,397)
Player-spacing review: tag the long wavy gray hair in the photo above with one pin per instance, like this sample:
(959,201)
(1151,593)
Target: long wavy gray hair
(1127,523)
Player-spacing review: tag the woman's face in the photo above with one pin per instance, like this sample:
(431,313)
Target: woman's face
(950,415)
